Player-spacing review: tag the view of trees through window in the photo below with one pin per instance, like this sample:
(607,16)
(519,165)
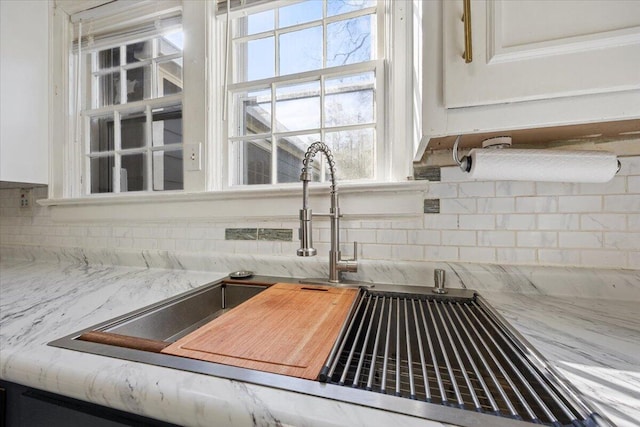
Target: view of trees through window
(301,73)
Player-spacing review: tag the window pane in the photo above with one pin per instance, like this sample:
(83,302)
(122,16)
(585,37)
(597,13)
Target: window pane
(138,84)
(354,152)
(301,51)
(167,170)
(133,130)
(133,173)
(253,161)
(336,7)
(108,89)
(167,126)
(171,43)
(101,134)
(349,100)
(255,59)
(350,41)
(298,107)
(299,13)
(170,77)
(291,151)
(141,51)
(102,174)
(254,112)
(109,58)
(257,23)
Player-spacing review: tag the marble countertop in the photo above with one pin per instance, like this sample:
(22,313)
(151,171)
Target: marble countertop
(593,342)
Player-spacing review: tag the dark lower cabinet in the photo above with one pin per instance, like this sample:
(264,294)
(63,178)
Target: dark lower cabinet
(22,406)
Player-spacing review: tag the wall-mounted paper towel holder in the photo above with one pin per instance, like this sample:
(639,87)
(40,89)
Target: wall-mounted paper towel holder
(497,162)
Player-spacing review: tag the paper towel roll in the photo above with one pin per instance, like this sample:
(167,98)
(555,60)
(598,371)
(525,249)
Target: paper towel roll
(542,165)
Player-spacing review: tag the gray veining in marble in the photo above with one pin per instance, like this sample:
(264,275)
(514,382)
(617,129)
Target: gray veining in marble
(586,322)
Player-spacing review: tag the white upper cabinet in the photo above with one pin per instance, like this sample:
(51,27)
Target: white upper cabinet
(24,85)
(530,50)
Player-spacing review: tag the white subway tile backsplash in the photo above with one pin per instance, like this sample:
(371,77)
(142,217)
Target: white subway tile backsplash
(497,238)
(453,174)
(558,222)
(624,241)
(537,204)
(442,190)
(622,203)
(516,222)
(476,222)
(468,254)
(398,237)
(373,251)
(515,255)
(441,253)
(616,186)
(424,237)
(580,239)
(603,221)
(510,222)
(537,239)
(559,256)
(453,206)
(476,189)
(515,188)
(580,204)
(630,165)
(458,238)
(440,222)
(407,252)
(556,188)
(496,205)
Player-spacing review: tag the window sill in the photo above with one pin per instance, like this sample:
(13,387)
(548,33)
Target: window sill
(356,200)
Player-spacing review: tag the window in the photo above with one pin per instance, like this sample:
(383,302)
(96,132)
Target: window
(131,109)
(303,72)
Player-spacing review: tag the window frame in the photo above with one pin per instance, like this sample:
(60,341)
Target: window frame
(202,103)
(394,141)
(89,76)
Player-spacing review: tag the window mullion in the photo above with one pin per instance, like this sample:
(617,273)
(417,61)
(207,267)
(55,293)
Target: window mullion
(117,141)
(123,75)
(274,148)
(148,152)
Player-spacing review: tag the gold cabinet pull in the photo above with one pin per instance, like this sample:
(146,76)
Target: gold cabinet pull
(466,18)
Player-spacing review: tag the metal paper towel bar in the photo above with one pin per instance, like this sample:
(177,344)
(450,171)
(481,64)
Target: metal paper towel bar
(497,163)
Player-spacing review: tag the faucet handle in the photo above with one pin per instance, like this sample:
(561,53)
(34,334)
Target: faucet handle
(355,251)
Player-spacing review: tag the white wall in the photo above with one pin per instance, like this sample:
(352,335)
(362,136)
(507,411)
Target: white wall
(24,88)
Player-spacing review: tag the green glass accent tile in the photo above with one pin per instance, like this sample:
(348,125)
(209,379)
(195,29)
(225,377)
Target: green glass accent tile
(431,205)
(275,234)
(241,234)
(429,173)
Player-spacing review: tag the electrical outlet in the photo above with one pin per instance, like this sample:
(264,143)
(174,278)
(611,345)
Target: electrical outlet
(25,198)
(192,153)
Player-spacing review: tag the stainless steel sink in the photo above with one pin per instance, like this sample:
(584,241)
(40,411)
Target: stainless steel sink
(449,358)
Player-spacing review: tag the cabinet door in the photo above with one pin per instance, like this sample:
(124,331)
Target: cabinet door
(532,49)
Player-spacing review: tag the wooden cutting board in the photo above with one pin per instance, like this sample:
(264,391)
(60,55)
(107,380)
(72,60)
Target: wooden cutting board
(286,329)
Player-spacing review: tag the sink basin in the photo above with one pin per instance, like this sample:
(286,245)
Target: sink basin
(403,349)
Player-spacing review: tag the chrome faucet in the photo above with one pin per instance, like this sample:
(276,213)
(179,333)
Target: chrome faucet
(336,263)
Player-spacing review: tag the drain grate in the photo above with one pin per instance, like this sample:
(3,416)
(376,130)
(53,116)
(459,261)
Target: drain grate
(448,351)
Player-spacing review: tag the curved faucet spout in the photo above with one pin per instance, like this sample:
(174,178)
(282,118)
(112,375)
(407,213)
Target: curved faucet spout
(336,263)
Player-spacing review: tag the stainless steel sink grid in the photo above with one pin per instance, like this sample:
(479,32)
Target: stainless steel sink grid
(453,351)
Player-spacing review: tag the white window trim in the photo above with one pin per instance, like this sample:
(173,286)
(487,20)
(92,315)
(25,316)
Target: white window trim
(202,101)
